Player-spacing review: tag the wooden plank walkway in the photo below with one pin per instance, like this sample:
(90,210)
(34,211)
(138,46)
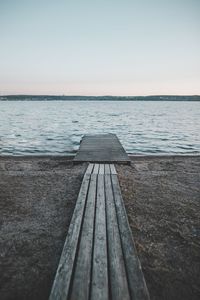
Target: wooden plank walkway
(102,148)
(99,260)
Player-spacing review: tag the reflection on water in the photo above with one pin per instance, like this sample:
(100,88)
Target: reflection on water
(56,127)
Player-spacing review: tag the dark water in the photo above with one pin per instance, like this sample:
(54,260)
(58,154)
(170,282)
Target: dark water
(56,127)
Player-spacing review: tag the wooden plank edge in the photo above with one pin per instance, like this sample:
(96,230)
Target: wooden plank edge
(98,161)
(107,169)
(89,169)
(96,169)
(112,169)
(136,280)
(101,169)
(99,281)
(117,271)
(80,288)
(61,285)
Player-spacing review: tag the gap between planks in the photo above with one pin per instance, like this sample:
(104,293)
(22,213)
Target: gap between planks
(99,259)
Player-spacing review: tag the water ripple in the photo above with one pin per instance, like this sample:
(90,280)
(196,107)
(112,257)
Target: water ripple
(56,127)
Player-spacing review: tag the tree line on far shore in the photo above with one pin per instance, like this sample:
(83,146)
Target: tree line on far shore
(99,98)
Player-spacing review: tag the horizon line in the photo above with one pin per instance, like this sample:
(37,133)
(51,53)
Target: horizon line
(120,96)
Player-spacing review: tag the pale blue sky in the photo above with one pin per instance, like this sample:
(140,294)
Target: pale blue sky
(88,47)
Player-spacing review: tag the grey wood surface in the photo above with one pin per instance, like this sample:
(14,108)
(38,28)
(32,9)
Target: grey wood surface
(101,169)
(102,148)
(107,169)
(113,170)
(99,260)
(117,272)
(82,273)
(137,284)
(100,288)
(89,169)
(61,285)
(96,169)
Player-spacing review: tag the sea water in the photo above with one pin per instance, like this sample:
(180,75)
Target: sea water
(56,127)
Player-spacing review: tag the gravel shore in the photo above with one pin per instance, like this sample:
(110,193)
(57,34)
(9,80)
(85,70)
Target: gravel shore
(162,198)
(37,198)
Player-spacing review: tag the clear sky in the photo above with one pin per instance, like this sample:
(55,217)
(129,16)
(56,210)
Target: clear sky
(100,47)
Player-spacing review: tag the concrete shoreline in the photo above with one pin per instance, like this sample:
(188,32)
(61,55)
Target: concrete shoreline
(37,198)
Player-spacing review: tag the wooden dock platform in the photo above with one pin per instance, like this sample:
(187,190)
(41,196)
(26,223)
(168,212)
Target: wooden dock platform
(99,260)
(102,148)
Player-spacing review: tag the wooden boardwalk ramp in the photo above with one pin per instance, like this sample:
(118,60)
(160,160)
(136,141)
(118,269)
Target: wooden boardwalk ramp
(102,148)
(99,260)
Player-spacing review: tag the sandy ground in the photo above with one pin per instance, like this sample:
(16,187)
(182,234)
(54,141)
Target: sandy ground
(37,198)
(162,198)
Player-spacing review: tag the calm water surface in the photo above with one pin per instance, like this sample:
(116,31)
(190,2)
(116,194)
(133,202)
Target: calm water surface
(56,127)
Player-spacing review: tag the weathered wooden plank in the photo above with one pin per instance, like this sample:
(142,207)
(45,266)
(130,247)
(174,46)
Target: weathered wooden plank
(117,272)
(89,169)
(101,169)
(99,260)
(61,285)
(137,285)
(82,273)
(99,287)
(112,169)
(107,169)
(96,169)
(101,148)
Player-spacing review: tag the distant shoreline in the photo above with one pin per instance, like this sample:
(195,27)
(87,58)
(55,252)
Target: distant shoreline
(190,98)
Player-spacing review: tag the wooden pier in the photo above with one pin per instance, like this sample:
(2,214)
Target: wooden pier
(102,148)
(99,259)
